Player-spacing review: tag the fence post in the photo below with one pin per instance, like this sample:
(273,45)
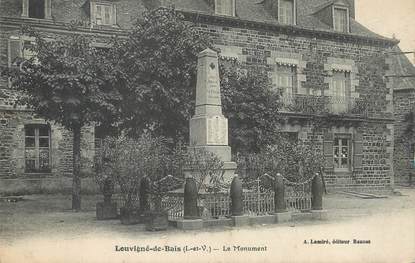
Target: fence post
(236,197)
(317,193)
(279,194)
(145,186)
(190,199)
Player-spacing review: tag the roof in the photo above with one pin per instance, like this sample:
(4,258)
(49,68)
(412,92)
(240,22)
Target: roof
(402,68)
(246,10)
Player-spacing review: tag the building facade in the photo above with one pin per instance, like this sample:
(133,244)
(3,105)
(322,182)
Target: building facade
(329,69)
(403,81)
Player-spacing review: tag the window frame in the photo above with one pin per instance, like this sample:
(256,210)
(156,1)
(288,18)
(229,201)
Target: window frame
(37,148)
(294,12)
(233,7)
(336,165)
(286,71)
(347,19)
(112,13)
(47,9)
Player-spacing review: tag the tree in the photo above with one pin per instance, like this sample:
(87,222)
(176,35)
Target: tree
(251,106)
(156,64)
(69,83)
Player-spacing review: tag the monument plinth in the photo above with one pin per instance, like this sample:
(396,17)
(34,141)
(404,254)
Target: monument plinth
(208,127)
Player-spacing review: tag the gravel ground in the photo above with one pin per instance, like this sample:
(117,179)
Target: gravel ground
(42,228)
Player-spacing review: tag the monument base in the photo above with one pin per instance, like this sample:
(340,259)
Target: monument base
(223,152)
(228,168)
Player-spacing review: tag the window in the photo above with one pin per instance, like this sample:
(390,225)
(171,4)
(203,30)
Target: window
(19,49)
(285,80)
(340,20)
(340,91)
(341,152)
(286,12)
(37,148)
(225,7)
(40,9)
(103,13)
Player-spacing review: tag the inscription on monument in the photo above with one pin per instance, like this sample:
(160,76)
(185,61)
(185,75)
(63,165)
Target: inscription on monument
(212,85)
(217,130)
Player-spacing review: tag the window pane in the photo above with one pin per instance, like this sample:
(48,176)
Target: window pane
(345,142)
(344,163)
(37,9)
(336,152)
(340,20)
(336,142)
(30,131)
(107,10)
(44,159)
(30,165)
(30,142)
(30,154)
(345,151)
(44,130)
(44,142)
(286,11)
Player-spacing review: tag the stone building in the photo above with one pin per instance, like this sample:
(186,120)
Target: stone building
(403,81)
(328,67)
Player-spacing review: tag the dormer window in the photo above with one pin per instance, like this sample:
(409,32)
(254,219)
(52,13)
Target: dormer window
(341,19)
(286,12)
(225,7)
(103,13)
(40,9)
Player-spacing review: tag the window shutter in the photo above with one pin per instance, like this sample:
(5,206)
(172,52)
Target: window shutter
(328,151)
(358,151)
(15,51)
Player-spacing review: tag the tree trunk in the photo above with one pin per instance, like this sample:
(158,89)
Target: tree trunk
(76,180)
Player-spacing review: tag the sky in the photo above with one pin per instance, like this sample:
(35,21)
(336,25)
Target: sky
(390,18)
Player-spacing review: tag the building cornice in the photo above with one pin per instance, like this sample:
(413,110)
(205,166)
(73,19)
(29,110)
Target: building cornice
(228,21)
(199,17)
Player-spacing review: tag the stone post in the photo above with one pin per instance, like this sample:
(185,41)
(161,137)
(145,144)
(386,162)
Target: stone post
(236,197)
(317,193)
(317,198)
(145,188)
(279,194)
(190,199)
(281,213)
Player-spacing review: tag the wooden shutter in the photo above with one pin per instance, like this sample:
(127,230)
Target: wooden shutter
(328,151)
(15,51)
(357,151)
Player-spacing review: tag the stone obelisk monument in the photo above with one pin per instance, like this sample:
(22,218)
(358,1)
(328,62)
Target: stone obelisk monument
(208,127)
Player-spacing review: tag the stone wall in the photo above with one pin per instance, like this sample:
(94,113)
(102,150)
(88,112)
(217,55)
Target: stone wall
(12,146)
(404,152)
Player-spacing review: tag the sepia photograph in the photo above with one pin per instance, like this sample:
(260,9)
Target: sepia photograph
(207,131)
